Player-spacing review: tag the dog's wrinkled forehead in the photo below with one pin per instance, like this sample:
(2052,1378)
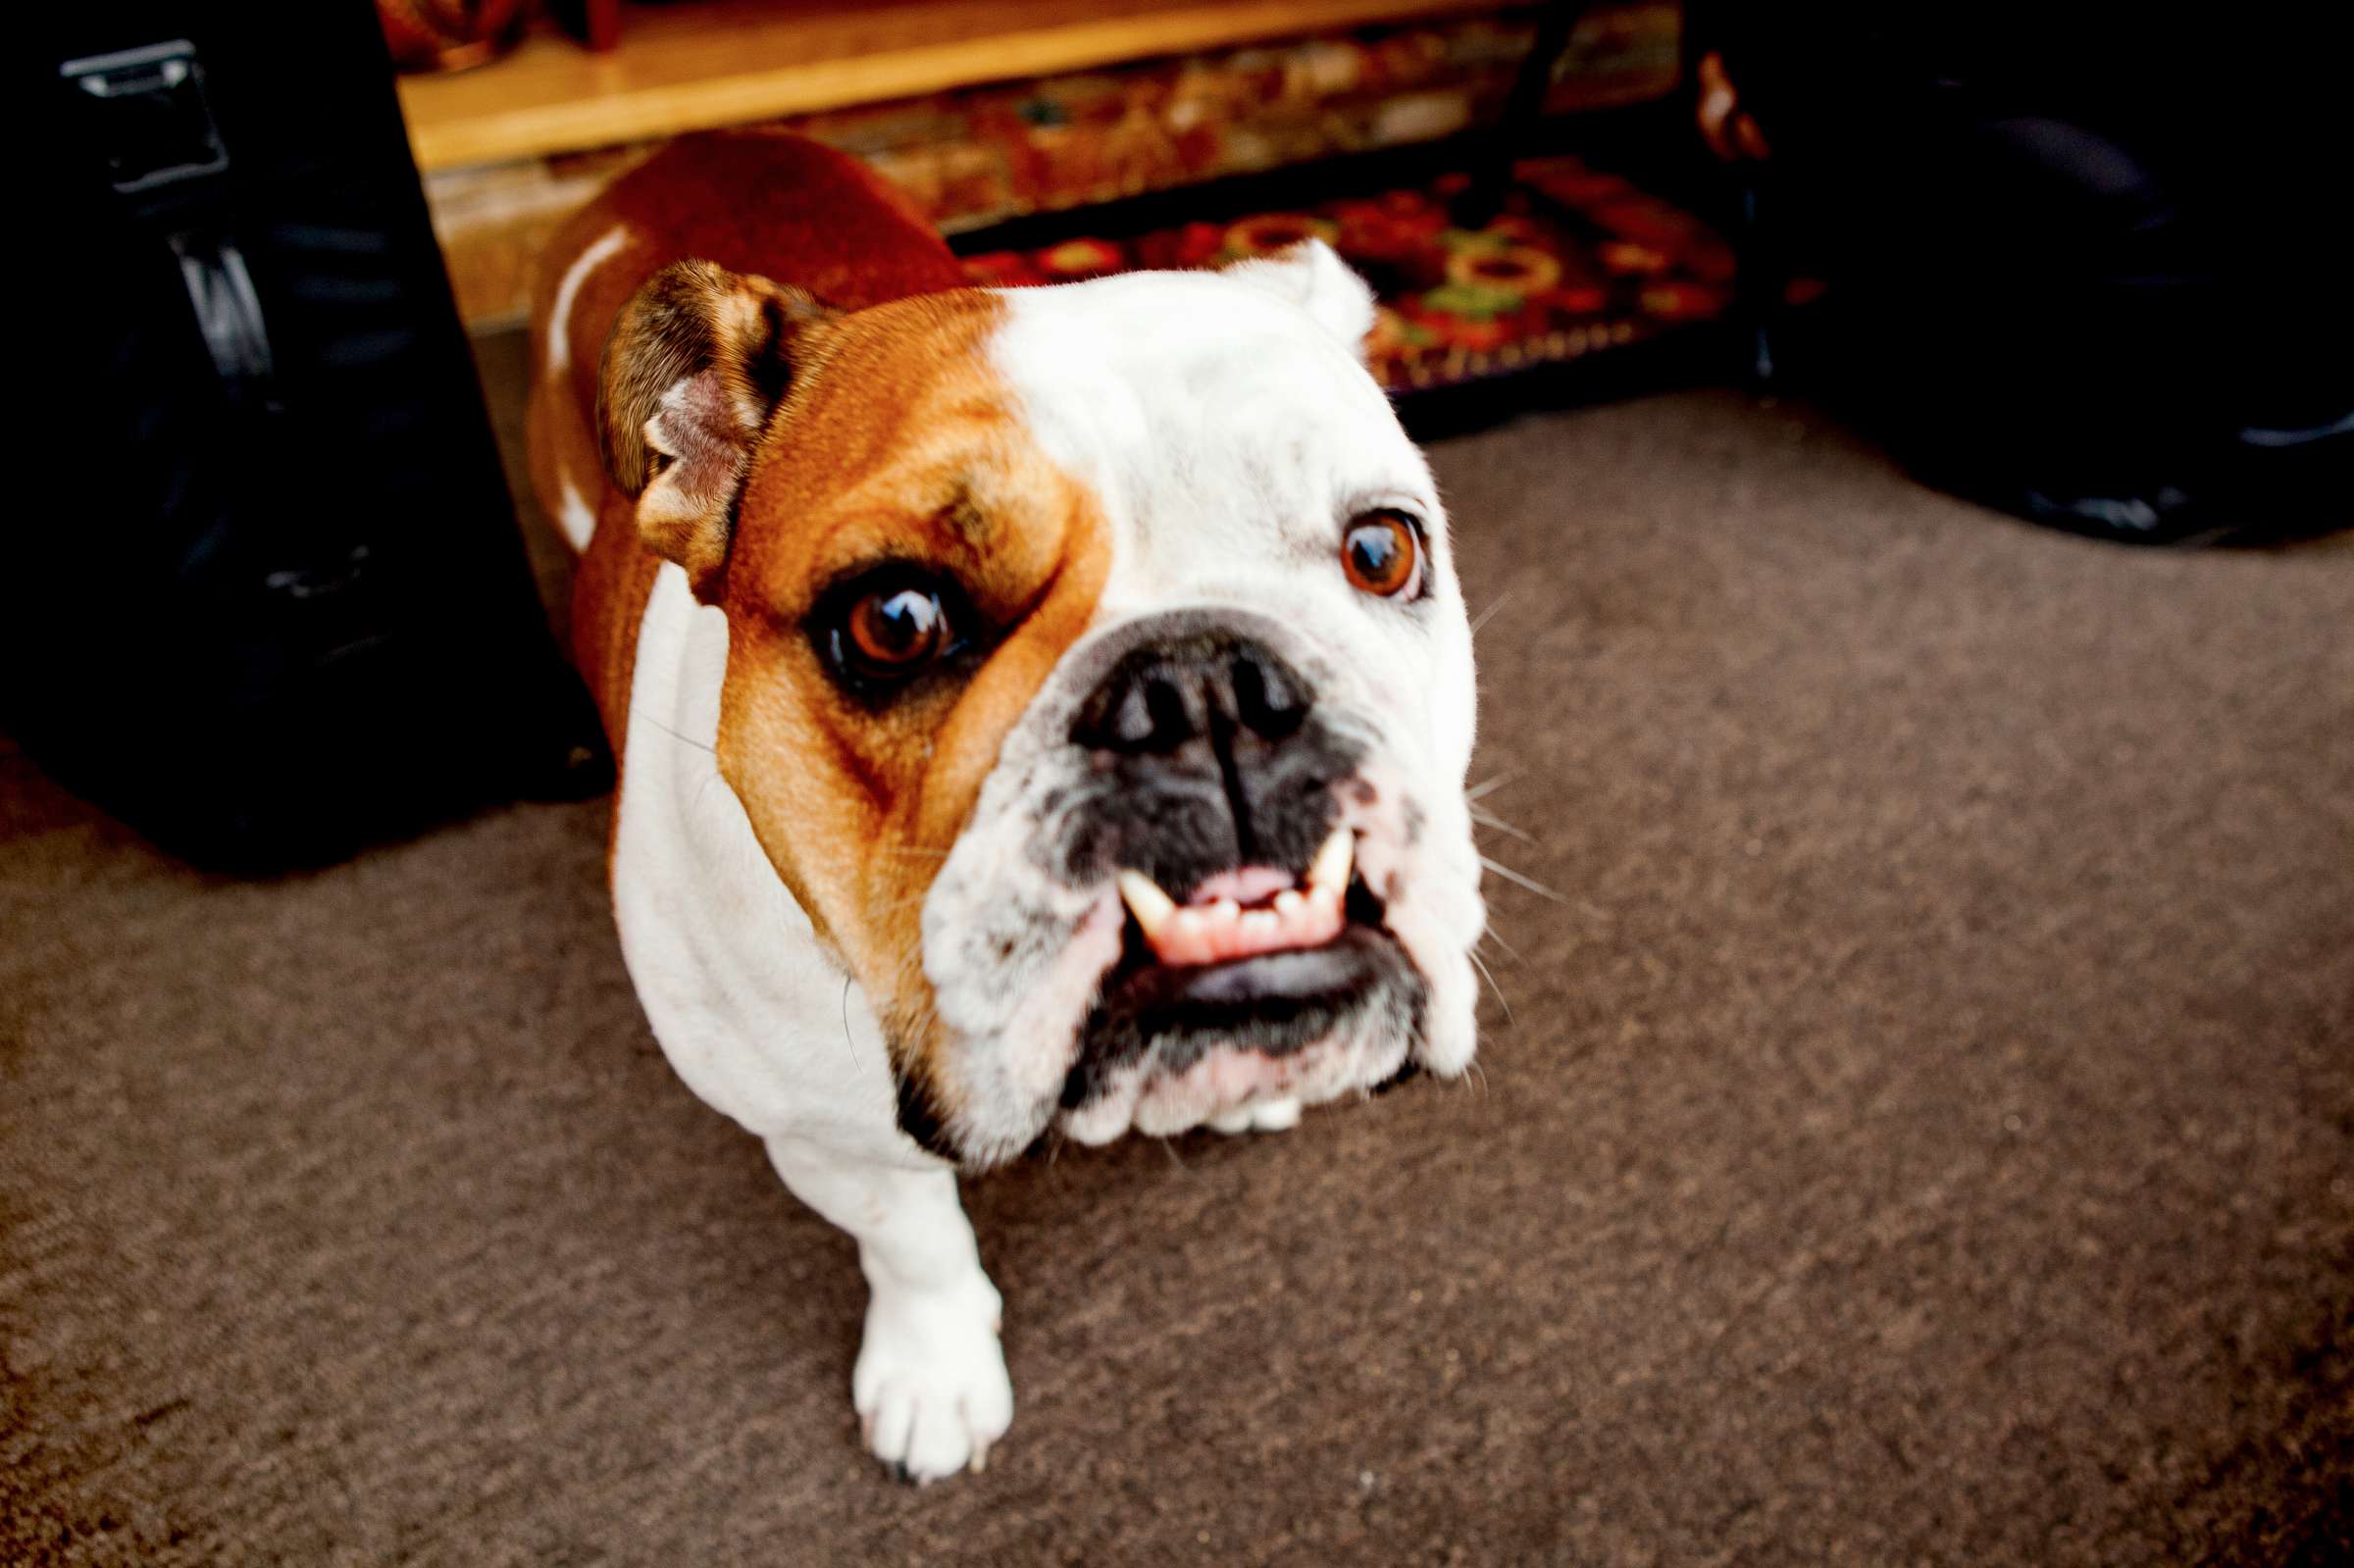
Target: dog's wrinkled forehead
(1224,418)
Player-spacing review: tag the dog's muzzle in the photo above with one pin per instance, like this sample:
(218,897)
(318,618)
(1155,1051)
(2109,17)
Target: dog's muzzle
(1215,805)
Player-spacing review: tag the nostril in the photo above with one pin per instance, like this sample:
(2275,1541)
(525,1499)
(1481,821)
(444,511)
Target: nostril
(1266,701)
(1143,710)
(1170,725)
(1131,719)
(1199,692)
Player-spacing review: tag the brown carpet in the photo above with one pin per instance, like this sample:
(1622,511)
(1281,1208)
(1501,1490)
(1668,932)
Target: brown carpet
(1925,1135)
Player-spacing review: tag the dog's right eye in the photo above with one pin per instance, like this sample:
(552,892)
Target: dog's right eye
(888,627)
(890,632)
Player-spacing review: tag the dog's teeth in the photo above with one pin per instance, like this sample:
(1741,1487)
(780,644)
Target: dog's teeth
(1182,935)
(1185,939)
(1150,906)
(1330,870)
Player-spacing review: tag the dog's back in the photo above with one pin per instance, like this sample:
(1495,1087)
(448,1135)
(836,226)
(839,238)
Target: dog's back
(774,206)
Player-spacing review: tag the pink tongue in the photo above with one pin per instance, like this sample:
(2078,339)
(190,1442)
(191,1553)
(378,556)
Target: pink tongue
(1250,885)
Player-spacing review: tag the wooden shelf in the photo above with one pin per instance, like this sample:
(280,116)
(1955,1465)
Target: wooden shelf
(717,62)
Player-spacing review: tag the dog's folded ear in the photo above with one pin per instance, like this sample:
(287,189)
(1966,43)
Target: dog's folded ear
(697,363)
(1311,275)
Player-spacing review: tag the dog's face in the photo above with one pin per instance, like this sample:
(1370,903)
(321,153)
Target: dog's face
(1098,679)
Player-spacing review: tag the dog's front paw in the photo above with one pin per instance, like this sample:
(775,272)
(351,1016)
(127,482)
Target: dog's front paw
(1265,1115)
(930,1385)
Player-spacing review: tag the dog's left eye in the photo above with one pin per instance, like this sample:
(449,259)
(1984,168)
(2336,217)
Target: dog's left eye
(887,629)
(1382,553)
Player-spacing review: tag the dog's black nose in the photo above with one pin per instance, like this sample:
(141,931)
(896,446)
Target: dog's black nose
(1209,753)
(1205,694)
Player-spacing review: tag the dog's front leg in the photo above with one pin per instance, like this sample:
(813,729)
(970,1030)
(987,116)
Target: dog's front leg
(930,1384)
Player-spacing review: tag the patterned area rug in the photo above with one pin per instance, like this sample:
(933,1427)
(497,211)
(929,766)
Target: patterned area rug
(1575,262)
(975,156)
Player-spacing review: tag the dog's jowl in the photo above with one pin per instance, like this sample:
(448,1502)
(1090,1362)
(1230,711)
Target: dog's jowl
(1064,690)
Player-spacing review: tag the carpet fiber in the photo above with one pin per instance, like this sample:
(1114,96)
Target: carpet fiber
(1923,1132)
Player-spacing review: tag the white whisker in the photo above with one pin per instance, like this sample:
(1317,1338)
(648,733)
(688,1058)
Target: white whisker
(1489,613)
(1523,879)
(683,739)
(1487,786)
(1487,820)
(1492,986)
(1491,935)
(850,1043)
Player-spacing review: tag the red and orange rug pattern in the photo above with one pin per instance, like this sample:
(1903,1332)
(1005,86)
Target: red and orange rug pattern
(1576,261)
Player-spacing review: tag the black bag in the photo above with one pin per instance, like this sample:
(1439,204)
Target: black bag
(271,602)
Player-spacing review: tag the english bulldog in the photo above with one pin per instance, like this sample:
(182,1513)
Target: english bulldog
(1042,712)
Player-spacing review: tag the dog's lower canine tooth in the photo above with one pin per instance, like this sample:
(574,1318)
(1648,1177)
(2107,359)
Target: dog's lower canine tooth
(1150,906)
(1330,870)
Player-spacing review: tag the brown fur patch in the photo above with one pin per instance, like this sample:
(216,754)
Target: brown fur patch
(698,361)
(893,441)
(760,204)
(900,446)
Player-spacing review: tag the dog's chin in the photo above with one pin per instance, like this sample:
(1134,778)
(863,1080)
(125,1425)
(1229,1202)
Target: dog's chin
(1168,1046)
(1088,1009)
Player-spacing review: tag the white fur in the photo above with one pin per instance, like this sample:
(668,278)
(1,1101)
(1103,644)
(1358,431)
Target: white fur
(1227,463)
(930,1384)
(1312,276)
(768,1030)
(568,290)
(1228,433)
(574,518)
(1265,1115)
